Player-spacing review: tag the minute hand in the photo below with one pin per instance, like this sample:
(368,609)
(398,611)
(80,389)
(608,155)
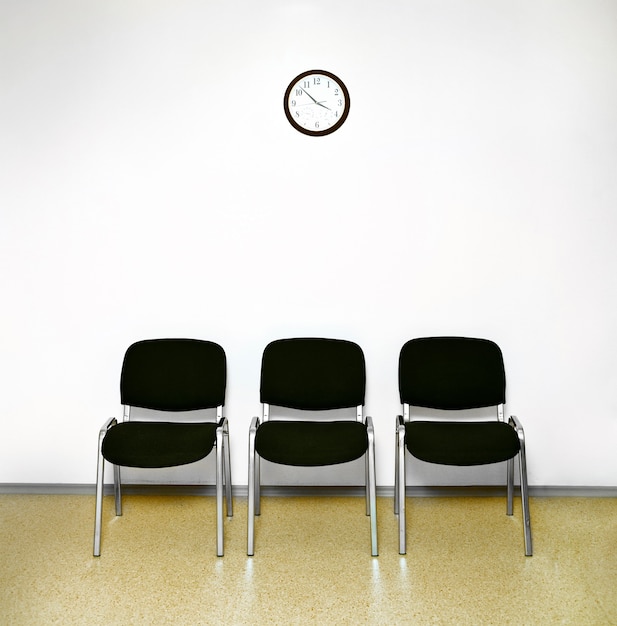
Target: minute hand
(315,101)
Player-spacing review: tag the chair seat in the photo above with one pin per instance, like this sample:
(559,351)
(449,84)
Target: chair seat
(310,444)
(461,443)
(158,444)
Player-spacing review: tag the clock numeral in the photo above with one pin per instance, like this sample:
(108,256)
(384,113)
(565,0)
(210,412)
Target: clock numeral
(317,80)
(293,103)
(317,124)
(336,92)
(298,92)
(306,83)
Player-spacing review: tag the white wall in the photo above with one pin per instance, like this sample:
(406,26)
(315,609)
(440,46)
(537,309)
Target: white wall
(150,185)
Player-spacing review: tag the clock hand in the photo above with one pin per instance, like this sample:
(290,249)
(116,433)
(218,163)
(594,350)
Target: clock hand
(315,101)
(309,95)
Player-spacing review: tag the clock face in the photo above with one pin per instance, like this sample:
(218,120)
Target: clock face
(316,103)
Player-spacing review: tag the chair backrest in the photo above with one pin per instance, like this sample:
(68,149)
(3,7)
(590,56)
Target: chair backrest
(313,374)
(451,373)
(174,375)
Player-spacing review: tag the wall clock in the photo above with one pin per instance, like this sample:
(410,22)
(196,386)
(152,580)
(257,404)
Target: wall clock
(316,103)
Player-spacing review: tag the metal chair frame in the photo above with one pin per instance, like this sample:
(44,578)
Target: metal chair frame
(223,478)
(254,483)
(400,478)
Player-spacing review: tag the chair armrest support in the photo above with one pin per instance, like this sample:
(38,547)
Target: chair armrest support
(400,429)
(112,421)
(254,425)
(518,427)
(368,421)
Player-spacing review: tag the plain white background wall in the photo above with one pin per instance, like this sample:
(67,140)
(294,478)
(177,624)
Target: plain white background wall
(150,185)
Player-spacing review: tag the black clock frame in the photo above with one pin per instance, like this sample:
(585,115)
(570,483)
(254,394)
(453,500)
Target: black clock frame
(306,131)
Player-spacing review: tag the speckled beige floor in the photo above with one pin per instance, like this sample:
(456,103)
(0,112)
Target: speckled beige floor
(312,564)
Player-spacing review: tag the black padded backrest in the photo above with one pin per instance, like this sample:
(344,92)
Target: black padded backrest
(174,375)
(313,374)
(451,373)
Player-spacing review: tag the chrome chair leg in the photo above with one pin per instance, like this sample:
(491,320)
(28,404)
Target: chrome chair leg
(100,484)
(227,466)
(250,550)
(219,491)
(510,486)
(367,483)
(525,502)
(396,463)
(98,513)
(257,484)
(252,487)
(400,480)
(522,464)
(118,489)
(372,487)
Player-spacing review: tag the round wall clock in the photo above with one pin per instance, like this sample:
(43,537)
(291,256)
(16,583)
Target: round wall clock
(316,103)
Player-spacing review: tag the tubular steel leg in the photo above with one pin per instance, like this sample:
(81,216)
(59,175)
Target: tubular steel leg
(510,487)
(400,489)
(525,501)
(251,494)
(522,464)
(227,466)
(257,484)
(396,463)
(372,494)
(367,483)
(118,489)
(100,484)
(98,513)
(219,492)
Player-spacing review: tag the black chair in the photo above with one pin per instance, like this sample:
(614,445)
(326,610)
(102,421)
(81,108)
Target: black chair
(312,375)
(453,374)
(172,375)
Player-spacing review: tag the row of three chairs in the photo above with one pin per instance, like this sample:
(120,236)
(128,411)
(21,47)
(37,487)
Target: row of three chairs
(311,374)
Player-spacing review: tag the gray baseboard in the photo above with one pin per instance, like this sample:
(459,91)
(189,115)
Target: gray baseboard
(241,491)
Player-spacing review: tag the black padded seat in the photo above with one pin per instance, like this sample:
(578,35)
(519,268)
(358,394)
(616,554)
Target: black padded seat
(158,444)
(311,444)
(460,443)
